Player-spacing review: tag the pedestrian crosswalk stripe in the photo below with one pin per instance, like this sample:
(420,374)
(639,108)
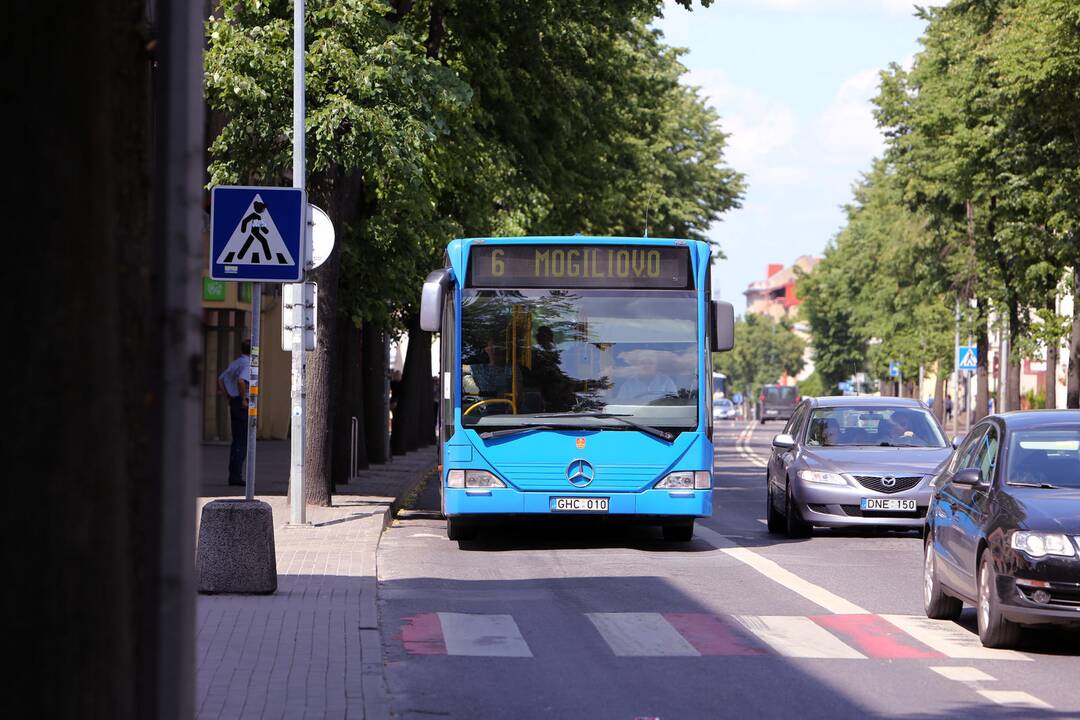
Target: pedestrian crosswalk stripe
(641,635)
(797,637)
(486,635)
(874,636)
(711,635)
(950,639)
(652,634)
(255,240)
(1014,698)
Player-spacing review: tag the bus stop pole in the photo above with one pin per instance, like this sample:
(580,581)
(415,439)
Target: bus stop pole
(298,504)
(253,390)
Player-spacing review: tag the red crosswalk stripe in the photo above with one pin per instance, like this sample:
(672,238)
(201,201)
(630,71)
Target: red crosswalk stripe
(875,637)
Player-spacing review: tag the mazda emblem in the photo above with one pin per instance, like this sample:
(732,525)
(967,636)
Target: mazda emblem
(580,472)
(888,481)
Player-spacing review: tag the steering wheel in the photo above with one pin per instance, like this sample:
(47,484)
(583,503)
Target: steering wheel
(491,401)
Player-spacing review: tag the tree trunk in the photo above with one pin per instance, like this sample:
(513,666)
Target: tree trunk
(982,372)
(320,389)
(1052,361)
(1072,398)
(376,401)
(939,395)
(408,414)
(1012,383)
(350,402)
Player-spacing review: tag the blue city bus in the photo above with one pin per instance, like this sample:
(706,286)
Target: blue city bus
(576,379)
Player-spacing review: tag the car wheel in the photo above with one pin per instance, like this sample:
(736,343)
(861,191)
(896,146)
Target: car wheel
(995,631)
(796,526)
(679,532)
(459,529)
(774,520)
(936,603)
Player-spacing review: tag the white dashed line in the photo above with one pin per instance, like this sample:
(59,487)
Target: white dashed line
(1014,698)
(963,673)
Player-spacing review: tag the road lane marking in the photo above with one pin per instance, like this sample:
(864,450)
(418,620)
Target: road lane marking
(875,637)
(950,639)
(711,635)
(816,594)
(482,635)
(641,635)
(963,673)
(1014,698)
(743,449)
(422,635)
(797,637)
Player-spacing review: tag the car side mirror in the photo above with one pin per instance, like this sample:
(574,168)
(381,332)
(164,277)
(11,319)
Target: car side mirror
(968,477)
(956,440)
(723,326)
(783,441)
(431,300)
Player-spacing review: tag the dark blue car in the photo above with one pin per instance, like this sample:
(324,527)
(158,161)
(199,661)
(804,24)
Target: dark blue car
(1003,527)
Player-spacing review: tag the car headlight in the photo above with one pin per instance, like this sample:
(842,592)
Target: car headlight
(1038,544)
(473,479)
(822,477)
(685,480)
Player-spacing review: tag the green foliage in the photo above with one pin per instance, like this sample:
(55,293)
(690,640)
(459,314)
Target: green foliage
(764,351)
(435,119)
(814,386)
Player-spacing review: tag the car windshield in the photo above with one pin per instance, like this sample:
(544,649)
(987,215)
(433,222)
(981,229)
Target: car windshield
(1045,457)
(883,426)
(779,394)
(723,404)
(529,354)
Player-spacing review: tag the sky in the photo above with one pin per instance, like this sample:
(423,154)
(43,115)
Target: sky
(792,81)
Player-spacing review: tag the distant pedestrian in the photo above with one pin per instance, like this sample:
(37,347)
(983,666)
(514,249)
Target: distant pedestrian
(948,407)
(234,383)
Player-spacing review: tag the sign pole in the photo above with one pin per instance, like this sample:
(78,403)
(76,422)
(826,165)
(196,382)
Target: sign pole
(296,471)
(956,376)
(253,390)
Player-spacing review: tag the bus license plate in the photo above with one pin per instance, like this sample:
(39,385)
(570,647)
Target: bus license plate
(579,504)
(889,504)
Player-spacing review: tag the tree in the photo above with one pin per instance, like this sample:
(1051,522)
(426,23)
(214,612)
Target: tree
(764,351)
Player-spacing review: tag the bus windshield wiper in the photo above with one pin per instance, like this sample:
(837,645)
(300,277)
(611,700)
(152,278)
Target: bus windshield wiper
(514,430)
(655,432)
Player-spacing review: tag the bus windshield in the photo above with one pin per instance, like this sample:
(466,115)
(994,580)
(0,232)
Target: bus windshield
(530,354)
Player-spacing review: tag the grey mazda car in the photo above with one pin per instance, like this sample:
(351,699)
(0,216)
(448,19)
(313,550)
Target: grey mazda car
(844,461)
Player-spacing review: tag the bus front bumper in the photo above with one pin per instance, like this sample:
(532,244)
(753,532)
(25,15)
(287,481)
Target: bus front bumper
(508,501)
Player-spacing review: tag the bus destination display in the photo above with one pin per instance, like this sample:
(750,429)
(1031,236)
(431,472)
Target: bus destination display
(580,266)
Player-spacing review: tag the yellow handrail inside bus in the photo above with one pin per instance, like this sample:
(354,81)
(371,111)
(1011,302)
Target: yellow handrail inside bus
(489,401)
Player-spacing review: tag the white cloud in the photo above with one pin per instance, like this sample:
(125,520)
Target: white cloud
(847,125)
(757,125)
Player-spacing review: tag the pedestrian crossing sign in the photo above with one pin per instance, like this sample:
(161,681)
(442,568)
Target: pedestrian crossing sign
(257,233)
(968,358)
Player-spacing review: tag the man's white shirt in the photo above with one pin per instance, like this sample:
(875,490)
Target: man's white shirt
(239,369)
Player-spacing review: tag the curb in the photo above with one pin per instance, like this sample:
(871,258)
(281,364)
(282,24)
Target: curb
(372,672)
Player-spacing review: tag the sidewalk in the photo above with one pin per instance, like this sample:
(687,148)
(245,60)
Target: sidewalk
(312,649)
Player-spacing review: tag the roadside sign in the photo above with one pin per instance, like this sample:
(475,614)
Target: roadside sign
(894,369)
(257,233)
(968,358)
(322,236)
(737,399)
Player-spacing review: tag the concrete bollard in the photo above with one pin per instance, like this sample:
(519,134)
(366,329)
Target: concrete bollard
(236,548)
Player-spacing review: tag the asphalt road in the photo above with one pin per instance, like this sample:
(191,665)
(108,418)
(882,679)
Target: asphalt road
(591,620)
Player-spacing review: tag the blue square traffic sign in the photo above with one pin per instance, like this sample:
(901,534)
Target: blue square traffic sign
(257,233)
(967,357)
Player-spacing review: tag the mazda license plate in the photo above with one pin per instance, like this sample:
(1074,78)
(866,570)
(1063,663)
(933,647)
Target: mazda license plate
(580,504)
(888,505)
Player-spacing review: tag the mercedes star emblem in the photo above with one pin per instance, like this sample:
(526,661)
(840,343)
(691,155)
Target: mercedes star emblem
(580,472)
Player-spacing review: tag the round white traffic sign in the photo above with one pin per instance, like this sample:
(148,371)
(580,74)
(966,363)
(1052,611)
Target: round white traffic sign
(321,236)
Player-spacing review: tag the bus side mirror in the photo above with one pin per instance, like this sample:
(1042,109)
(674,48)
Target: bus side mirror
(431,300)
(723,326)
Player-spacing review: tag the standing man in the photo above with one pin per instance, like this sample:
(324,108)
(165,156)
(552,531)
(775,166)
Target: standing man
(234,383)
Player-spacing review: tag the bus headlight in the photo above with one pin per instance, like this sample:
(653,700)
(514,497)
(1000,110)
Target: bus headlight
(473,479)
(685,480)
